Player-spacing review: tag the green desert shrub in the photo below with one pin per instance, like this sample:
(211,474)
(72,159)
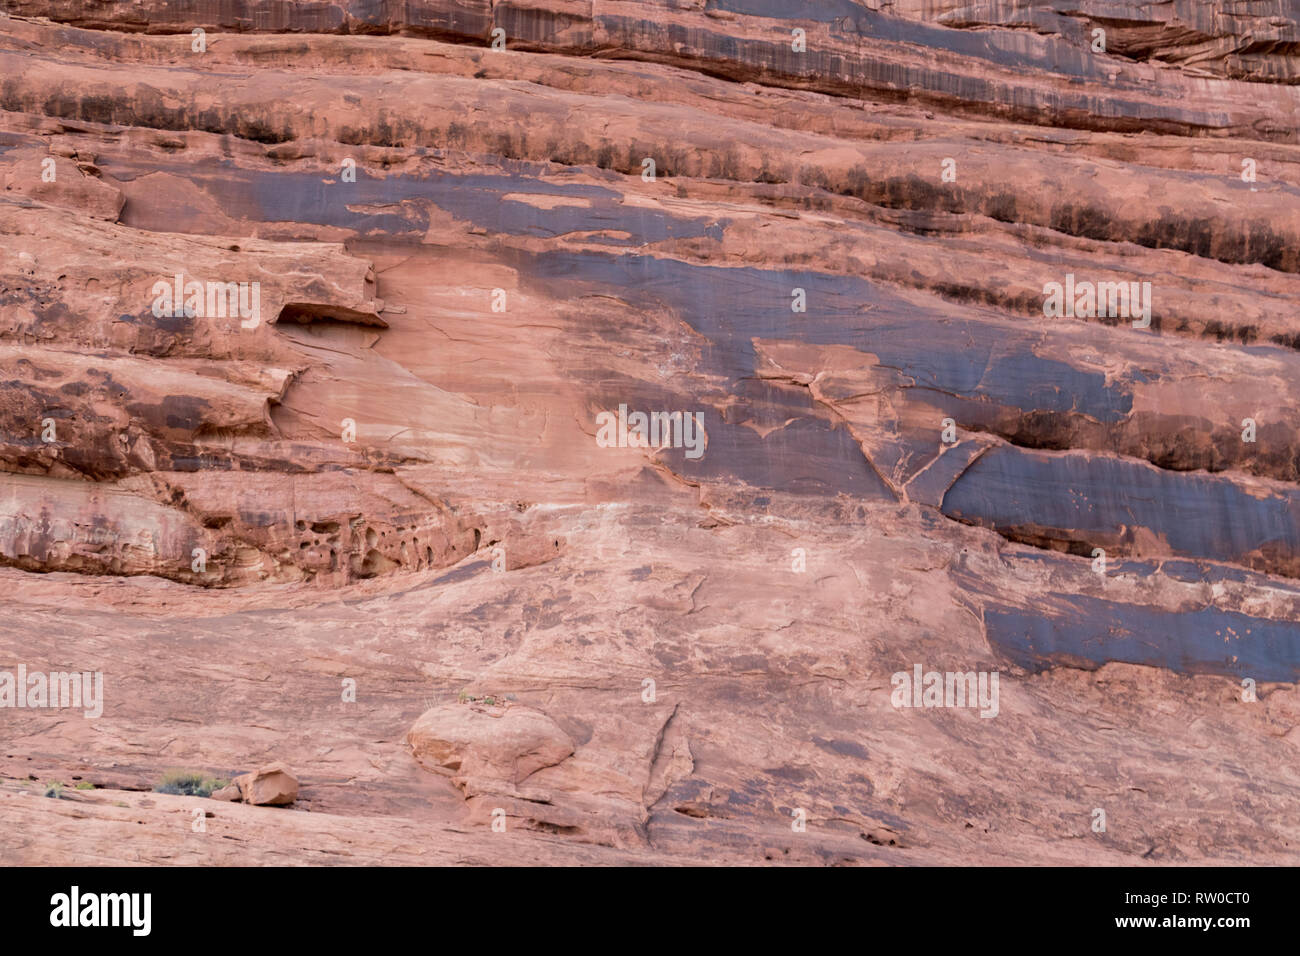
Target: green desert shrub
(188,783)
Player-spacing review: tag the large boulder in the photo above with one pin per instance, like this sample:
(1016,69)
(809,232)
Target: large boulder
(479,742)
(273,785)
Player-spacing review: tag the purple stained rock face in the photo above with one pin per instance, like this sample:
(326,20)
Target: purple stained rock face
(428,529)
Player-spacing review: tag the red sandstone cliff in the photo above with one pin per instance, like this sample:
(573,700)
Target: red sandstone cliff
(326,533)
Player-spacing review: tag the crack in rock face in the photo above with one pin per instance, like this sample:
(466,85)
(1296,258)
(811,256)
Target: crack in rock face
(557,431)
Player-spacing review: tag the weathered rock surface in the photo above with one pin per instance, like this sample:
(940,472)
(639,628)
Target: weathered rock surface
(308,538)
